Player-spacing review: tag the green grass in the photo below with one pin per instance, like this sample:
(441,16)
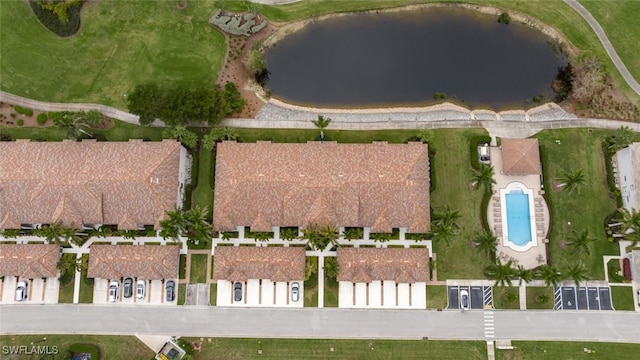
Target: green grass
(111,347)
(311,287)
(86,289)
(615,17)
(615,272)
(622,298)
(500,300)
(213,260)
(436,297)
(578,149)
(451,171)
(529,350)
(182,293)
(182,269)
(330,292)
(65,295)
(118,46)
(229,348)
(198,273)
(213,294)
(202,194)
(532,297)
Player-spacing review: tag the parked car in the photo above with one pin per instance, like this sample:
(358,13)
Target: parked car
(21,291)
(127,287)
(464,299)
(295,292)
(170,290)
(140,289)
(113,290)
(237,291)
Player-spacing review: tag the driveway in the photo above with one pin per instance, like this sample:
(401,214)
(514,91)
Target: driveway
(582,298)
(479,296)
(197,294)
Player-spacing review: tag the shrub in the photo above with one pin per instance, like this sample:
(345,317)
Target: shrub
(23,111)
(61,18)
(440,96)
(504,18)
(20,122)
(5,137)
(42,118)
(235,102)
(66,278)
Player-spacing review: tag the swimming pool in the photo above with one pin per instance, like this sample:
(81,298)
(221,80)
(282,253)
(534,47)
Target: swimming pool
(518,217)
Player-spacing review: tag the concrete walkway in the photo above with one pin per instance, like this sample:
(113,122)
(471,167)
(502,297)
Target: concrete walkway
(606,43)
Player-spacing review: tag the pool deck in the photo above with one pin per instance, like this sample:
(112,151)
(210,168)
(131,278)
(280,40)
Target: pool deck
(536,255)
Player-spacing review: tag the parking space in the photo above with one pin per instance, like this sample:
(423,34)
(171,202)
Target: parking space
(9,289)
(257,293)
(479,296)
(582,298)
(382,295)
(154,293)
(39,290)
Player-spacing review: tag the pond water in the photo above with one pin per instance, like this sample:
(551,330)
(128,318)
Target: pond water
(404,58)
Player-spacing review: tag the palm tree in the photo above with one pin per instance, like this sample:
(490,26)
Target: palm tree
(578,272)
(331,267)
(322,123)
(487,242)
(630,220)
(353,233)
(425,135)
(53,233)
(622,138)
(500,273)
(550,275)
(525,275)
(483,177)
(444,226)
(196,227)
(572,180)
(288,234)
(216,135)
(320,238)
(173,225)
(579,243)
(71,236)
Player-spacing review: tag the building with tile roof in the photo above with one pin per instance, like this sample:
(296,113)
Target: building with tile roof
(241,263)
(127,184)
(150,262)
(265,185)
(521,157)
(30,261)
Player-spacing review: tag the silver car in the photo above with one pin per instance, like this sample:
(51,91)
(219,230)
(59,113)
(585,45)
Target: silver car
(140,289)
(21,291)
(295,292)
(114,287)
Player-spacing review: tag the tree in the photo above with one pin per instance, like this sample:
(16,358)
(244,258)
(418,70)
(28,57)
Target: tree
(146,101)
(525,275)
(630,220)
(487,242)
(331,267)
(578,273)
(92,118)
(550,275)
(321,123)
(622,138)
(233,99)
(180,132)
(483,177)
(68,263)
(319,238)
(579,242)
(288,234)
(444,226)
(425,135)
(173,225)
(588,78)
(500,273)
(353,233)
(71,123)
(310,267)
(572,180)
(256,62)
(196,227)
(216,135)
(53,233)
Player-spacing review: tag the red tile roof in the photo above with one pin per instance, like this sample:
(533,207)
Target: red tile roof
(150,262)
(240,263)
(365,265)
(379,185)
(29,260)
(119,183)
(521,157)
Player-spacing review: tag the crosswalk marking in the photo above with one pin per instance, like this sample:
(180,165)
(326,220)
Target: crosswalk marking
(489,326)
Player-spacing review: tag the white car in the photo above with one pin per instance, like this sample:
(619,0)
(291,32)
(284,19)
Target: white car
(21,291)
(295,292)
(464,299)
(113,291)
(140,289)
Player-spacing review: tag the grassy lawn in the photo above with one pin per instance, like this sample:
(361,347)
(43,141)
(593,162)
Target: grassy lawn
(111,347)
(622,298)
(311,287)
(121,131)
(615,17)
(501,295)
(227,348)
(451,171)
(65,295)
(615,271)
(529,350)
(118,46)
(578,149)
(86,285)
(330,292)
(182,270)
(182,293)
(535,297)
(436,297)
(202,194)
(213,294)
(198,273)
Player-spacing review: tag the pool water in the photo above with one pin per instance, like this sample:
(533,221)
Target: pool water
(518,217)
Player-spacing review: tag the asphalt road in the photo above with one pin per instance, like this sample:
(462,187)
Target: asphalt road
(317,323)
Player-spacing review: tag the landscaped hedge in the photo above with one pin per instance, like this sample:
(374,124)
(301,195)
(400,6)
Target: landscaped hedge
(42,118)
(53,21)
(23,111)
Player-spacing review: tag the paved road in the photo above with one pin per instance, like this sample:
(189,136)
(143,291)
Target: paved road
(606,43)
(317,323)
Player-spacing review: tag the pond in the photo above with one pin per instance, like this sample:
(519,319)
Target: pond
(406,58)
